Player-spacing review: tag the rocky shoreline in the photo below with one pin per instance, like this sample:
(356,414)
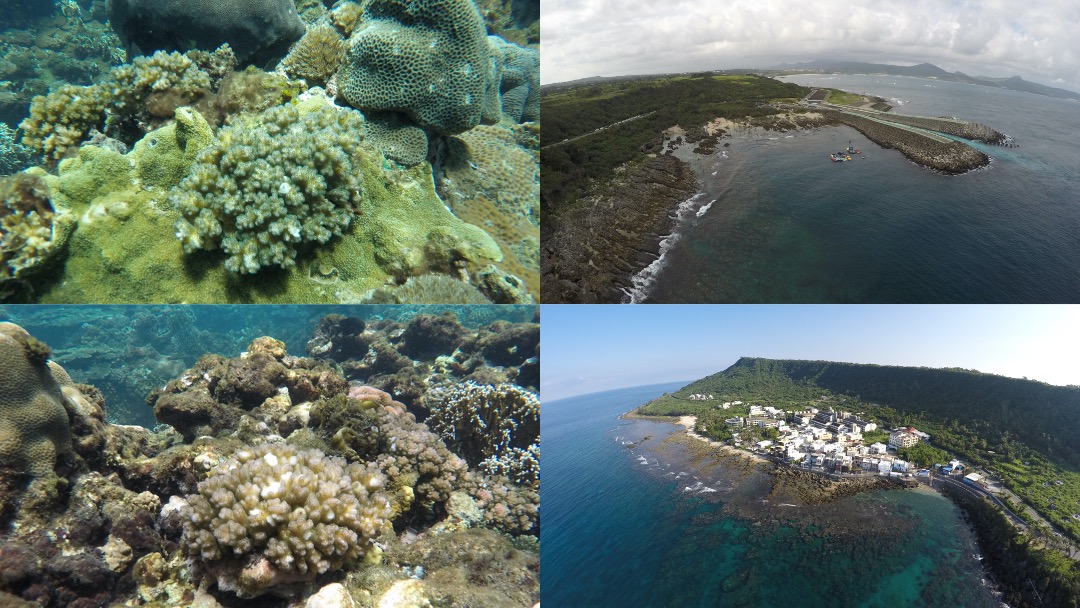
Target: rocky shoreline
(590,252)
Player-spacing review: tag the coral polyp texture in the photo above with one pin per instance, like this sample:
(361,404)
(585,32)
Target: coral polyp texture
(263,191)
(429,60)
(495,427)
(274,514)
(34,428)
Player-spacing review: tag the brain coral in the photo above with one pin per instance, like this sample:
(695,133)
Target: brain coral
(264,189)
(33,420)
(274,514)
(426,58)
(257,30)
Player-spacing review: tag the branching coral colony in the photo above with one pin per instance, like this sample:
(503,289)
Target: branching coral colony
(277,477)
(358,171)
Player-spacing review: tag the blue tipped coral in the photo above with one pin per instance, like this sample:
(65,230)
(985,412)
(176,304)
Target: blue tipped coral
(263,190)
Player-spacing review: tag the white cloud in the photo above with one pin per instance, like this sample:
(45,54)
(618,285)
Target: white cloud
(1033,38)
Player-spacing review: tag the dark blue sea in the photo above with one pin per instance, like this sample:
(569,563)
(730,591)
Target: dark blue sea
(654,526)
(777,221)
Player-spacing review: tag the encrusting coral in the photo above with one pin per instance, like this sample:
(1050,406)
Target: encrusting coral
(274,514)
(260,192)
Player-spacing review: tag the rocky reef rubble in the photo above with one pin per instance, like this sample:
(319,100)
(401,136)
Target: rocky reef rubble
(277,482)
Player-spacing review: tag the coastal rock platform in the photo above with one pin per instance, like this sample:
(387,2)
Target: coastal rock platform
(594,249)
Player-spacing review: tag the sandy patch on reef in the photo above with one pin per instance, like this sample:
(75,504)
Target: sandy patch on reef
(713,127)
(690,421)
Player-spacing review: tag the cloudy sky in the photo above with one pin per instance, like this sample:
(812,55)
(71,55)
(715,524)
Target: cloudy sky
(595,348)
(1035,39)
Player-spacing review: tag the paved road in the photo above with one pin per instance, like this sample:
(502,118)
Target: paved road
(566,141)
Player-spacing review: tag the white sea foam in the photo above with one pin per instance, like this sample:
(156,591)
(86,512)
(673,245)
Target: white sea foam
(642,282)
(706,490)
(705,209)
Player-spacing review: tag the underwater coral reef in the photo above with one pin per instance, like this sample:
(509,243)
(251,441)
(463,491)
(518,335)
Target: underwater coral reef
(281,480)
(269,151)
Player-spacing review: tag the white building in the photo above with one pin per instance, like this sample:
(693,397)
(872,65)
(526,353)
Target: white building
(878,448)
(904,438)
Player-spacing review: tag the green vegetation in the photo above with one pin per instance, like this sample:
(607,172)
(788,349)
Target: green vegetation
(1031,565)
(875,436)
(844,98)
(923,455)
(569,170)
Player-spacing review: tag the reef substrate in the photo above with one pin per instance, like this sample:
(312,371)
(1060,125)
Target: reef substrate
(279,481)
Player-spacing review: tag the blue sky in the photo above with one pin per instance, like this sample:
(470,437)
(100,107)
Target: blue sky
(595,348)
(1030,38)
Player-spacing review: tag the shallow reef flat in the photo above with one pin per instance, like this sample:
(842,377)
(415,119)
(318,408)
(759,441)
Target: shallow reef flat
(316,152)
(396,464)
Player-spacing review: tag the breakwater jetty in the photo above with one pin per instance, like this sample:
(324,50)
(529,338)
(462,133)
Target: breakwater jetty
(951,126)
(920,145)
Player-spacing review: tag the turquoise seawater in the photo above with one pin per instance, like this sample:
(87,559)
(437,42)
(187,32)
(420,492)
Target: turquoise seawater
(657,527)
(129,351)
(777,221)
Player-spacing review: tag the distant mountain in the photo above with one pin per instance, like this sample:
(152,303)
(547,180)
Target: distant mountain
(925,70)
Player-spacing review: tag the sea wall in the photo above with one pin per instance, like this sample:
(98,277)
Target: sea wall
(948,157)
(958,128)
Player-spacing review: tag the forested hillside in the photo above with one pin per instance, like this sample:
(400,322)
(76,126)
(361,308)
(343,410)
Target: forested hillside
(661,102)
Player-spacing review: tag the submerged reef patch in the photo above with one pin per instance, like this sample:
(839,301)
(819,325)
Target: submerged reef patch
(316,489)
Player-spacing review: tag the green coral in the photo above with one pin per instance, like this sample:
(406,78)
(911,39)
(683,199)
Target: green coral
(391,64)
(429,289)
(164,156)
(61,119)
(260,192)
(274,514)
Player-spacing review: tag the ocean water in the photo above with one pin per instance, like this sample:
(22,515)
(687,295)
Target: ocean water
(128,351)
(656,526)
(777,221)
